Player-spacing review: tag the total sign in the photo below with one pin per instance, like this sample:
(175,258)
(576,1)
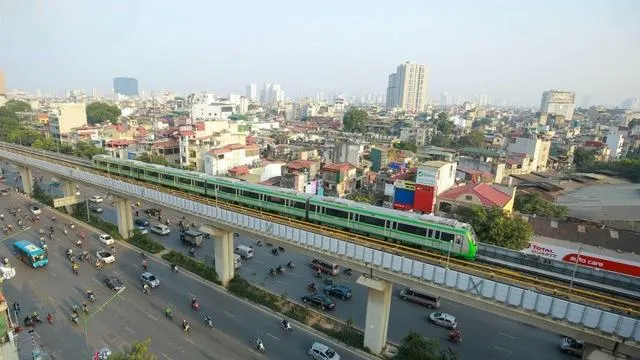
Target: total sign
(583,258)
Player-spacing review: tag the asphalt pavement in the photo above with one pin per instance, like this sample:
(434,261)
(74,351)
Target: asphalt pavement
(485,335)
(117,319)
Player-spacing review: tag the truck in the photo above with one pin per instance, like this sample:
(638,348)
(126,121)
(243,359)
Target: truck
(192,237)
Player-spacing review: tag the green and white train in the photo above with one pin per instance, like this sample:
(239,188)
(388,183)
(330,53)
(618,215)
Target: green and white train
(423,231)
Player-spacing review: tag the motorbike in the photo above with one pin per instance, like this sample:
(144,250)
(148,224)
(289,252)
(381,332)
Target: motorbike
(168,314)
(208,321)
(186,327)
(91,298)
(36,318)
(195,306)
(286,326)
(259,345)
(347,271)
(74,318)
(291,265)
(280,270)
(272,272)
(174,268)
(146,290)
(455,337)
(275,252)
(312,287)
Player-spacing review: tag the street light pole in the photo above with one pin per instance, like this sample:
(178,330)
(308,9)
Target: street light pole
(449,253)
(575,269)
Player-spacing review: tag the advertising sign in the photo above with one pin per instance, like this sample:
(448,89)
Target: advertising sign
(403,184)
(389,189)
(583,258)
(427,176)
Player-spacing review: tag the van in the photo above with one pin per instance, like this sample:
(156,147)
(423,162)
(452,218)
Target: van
(244,251)
(192,237)
(237,261)
(325,267)
(418,297)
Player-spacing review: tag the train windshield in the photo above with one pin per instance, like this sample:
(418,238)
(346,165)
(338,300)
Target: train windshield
(474,237)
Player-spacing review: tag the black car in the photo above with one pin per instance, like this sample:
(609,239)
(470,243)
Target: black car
(141,222)
(114,283)
(340,291)
(96,209)
(319,300)
(152,212)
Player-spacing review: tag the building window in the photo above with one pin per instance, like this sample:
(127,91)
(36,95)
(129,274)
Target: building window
(468,197)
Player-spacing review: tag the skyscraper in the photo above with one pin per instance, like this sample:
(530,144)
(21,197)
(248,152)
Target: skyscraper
(252,92)
(271,94)
(407,88)
(2,91)
(558,103)
(125,86)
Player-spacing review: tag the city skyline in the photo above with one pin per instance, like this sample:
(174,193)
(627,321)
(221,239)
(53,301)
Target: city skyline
(468,49)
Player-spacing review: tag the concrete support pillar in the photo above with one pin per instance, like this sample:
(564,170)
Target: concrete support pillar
(27,180)
(68,189)
(378,309)
(223,253)
(125,217)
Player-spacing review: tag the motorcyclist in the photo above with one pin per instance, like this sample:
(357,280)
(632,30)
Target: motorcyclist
(145,288)
(259,344)
(79,243)
(69,252)
(312,286)
(185,325)
(455,335)
(192,252)
(168,312)
(272,271)
(285,324)
(90,295)
(208,320)
(145,265)
(174,267)
(290,265)
(85,308)
(75,268)
(279,269)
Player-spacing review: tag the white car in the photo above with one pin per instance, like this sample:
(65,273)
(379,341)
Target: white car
(35,210)
(105,256)
(106,239)
(319,351)
(160,229)
(96,199)
(443,319)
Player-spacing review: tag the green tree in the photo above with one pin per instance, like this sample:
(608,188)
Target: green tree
(360,197)
(583,158)
(98,112)
(355,120)
(474,138)
(443,124)
(17,106)
(153,159)
(87,150)
(405,145)
(533,203)
(441,140)
(137,351)
(493,226)
(416,347)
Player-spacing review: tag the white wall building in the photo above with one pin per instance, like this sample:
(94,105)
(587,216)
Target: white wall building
(348,151)
(219,161)
(271,94)
(558,103)
(441,174)
(537,149)
(252,92)
(65,117)
(212,111)
(407,88)
(615,143)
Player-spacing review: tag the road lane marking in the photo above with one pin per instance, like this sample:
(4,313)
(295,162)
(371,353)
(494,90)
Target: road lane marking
(152,317)
(273,336)
(166,356)
(29,281)
(280,282)
(506,335)
(189,341)
(53,274)
(191,294)
(129,330)
(503,349)
(229,314)
(98,281)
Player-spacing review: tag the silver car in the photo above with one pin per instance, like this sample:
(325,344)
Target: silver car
(319,351)
(443,319)
(149,279)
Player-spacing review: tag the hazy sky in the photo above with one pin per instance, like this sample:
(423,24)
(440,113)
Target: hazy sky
(508,49)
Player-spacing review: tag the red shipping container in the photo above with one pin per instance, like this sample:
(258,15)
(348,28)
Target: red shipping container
(424,199)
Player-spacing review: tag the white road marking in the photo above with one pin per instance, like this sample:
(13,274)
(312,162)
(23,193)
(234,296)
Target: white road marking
(273,336)
(129,330)
(116,273)
(229,314)
(96,280)
(280,282)
(53,274)
(166,356)
(30,281)
(255,352)
(506,335)
(191,294)
(152,317)
(189,341)
(503,349)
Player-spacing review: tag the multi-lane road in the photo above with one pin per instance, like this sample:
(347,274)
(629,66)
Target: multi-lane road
(485,335)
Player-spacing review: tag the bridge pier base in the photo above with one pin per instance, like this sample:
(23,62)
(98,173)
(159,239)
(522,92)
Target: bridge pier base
(69,189)
(378,309)
(125,217)
(223,252)
(27,179)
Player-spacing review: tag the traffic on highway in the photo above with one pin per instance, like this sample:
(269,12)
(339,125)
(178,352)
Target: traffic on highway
(332,290)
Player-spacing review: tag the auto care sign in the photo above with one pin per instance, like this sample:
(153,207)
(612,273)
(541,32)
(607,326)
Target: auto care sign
(583,258)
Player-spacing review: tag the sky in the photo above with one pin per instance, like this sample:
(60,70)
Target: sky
(508,49)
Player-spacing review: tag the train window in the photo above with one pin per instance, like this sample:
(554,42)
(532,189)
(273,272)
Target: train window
(437,236)
(410,229)
(211,186)
(199,184)
(299,205)
(152,174)
(276,200)
(445,236)
(251,194)
(125,168)
(371,220)
(336,213)
(167,177)
(184,180)
(227,190)
(312,208)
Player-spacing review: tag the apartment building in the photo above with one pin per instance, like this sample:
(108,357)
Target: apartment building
(536,148)
(65,117)
(218,161)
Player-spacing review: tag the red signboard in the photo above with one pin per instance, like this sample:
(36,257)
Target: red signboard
(424,199)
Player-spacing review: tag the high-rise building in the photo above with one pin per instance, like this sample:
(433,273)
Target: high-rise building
(558,103)
(125,86)
(445,100)
(2,91)
(252,92)
(407,88)
(271,94)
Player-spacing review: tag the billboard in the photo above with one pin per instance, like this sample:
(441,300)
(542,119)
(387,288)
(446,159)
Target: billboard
(403,184)
(583,258)
(427,176)
(389,189)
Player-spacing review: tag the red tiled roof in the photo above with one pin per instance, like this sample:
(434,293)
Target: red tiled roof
(235,146)
(594,144)
(119,142)
(300,164)
(187,133)
(488,195)
(338,167)
(239,170)
(252,147)
(199,126)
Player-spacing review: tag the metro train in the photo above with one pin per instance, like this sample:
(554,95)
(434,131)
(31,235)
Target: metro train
(422,231)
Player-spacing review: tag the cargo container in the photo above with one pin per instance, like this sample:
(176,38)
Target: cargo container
(403,197)
(424,198)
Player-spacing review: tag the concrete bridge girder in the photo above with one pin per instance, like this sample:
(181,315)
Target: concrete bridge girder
(27,179)
(223,252)
(125,217)
(378,310)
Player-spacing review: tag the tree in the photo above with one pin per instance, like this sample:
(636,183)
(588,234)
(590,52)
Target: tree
(17,106)
(441,140)
(493,226)
(98,112)
(475,138)
(533,203)
(355,120)
(443,124)
(405,145)
(583,158)
(137,351)
(417,347)
(153,159)
(361,197)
